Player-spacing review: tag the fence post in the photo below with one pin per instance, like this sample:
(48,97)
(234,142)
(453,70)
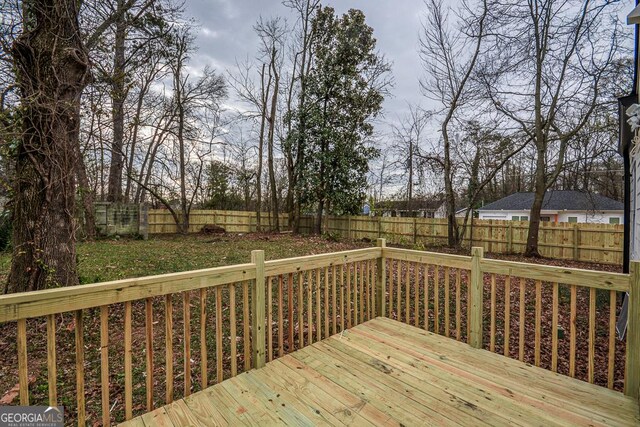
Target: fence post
(380,226)
(475,295)
(510,238)
(576,240)
(349,227)
(381,289)
(257,311)
(632,380)
(143,221)
(433,231)
(415,230)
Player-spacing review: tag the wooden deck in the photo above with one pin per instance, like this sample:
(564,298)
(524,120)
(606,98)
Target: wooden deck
(384,372)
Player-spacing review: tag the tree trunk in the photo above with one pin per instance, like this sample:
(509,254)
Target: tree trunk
(272,124)
(52,69)
(184,223)
(307,55)
(318,224)
(264,97)
(118,94)
(450,199)
(536,207)
(410,183)
(87,197)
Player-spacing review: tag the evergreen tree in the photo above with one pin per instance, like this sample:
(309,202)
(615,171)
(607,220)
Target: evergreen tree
(344,92)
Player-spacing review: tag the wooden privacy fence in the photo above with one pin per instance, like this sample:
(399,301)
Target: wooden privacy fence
(161,221)
(600,243)
(112,350)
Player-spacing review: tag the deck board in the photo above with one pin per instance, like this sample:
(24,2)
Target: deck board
(383,372)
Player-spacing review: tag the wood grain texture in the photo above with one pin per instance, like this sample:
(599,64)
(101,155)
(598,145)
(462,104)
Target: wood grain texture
(476,286)
(23,374)
(72,298)
(204,357)
(612,339)
(257,312)
(246,337)
(381,282)
(52,377)
(447,314)
(104,365)
(458,305)
(233,334)
(300,310)
(538,323)
(572,331)
(168,334)
(80,390)
(128,368)
(290,319)
(492,326)
(280,317)
(269,325)
(387,373)
(592,336)
(219,337)
(507,315)
(186,341)
(522,319)
(554,327)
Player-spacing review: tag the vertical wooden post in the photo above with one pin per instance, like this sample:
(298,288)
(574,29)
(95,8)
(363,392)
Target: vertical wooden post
(415,230)
(349,227)
(510,238)
(143,221)
(23,374)
(475,316)
(257,311)
(632,381)
(433,231)
(575,242)
(380,226)
(381,282)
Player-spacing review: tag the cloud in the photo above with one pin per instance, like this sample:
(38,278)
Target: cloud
(227,33)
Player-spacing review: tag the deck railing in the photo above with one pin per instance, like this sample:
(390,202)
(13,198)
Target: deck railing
(113,350)
(561,319)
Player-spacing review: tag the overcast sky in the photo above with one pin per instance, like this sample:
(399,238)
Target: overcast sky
(226,33)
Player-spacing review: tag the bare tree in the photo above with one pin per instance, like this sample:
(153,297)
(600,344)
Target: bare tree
(294,142)
(450,55)
(545,76)
(184,136)
(272,33)
(408,134)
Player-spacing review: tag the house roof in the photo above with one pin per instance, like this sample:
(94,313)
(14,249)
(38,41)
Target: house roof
(557,200)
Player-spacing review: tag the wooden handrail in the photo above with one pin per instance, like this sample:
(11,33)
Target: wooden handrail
(311,262)
(569,276)
(446,260)
(355,285)
(51,301)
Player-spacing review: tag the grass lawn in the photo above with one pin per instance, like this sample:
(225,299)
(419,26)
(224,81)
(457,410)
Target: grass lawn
(112,259)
